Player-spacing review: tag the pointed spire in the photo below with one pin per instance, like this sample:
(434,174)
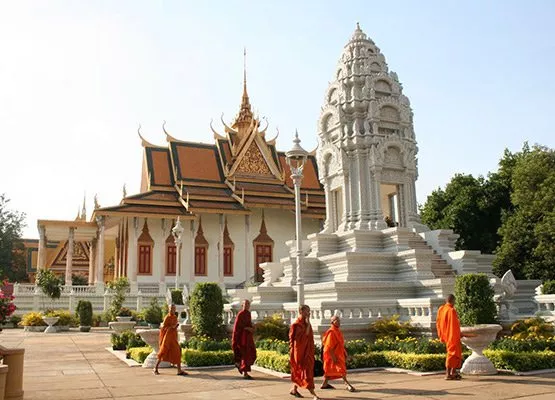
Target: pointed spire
(245,116)
(124,191)
(84,209)
(359,34)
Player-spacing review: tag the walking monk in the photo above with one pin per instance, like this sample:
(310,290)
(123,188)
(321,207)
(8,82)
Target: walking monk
(335,354)
(242,341)
(449,332)
(170,350)
(301,353)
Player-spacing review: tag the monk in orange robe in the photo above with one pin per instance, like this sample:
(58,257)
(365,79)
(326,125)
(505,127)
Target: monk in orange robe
(242,341)
(170,350)
(449,332)
(335,355)
(301,353)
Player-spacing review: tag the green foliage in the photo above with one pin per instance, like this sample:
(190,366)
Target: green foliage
(390,328)
(177,297)
(358,346)
(126,340)
(273,360)
(273,327)
(49,283)
(12,252)
(124,312)
(204,343)
(521,361)
(153,313)
(197,358)
(415,362)
(367,360)
(32,319)
(15,319)
(527,246)
(85,313)
(206,305)
(524,345)
(474,300)
(532,328)
(279,346)
(472,207)
(119,288)
(138,354)
(65,318)
(79,280)
(548,287)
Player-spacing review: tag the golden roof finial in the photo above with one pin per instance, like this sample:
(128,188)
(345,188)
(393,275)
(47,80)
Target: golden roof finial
(84,209)
(245,113)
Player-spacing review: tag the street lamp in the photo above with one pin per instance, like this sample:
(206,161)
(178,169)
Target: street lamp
(177,232)
(296,158)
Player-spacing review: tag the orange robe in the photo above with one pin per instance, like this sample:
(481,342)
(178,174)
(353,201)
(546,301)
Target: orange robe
(301,354)
(334,343)
(449,332)
(242,341)
(169,345)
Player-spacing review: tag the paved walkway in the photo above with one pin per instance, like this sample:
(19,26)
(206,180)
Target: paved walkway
(75,366)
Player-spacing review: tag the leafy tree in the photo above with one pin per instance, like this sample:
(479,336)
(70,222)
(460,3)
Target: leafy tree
(12,258)
(119,289)
(50,284)
(528,233)
(207,308)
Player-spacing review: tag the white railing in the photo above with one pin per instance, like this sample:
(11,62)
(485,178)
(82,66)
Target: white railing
(546,304)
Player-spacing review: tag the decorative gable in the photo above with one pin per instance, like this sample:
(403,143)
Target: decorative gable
(253,162)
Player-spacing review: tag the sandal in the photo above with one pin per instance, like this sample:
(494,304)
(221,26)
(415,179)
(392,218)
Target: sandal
(350,388)
(296,394)
(248,377)
(327,386)
(450,378)
(155,372)
(182,373)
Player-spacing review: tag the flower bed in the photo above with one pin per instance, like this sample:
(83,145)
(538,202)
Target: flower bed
(521,361)
(138,354)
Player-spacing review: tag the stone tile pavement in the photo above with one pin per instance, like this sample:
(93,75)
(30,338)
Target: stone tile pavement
(76,366)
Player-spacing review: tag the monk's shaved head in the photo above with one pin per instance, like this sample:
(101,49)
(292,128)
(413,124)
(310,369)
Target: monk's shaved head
(450,299)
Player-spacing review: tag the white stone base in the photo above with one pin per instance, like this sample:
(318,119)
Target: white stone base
(478,365)
(152,359)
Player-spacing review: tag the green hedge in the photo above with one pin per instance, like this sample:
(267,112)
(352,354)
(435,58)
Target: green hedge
(273,360)
(139,354)
(367,360)
(197,358)
(521,361)
(415,362)
(523,345)
(204,343)
(279,346)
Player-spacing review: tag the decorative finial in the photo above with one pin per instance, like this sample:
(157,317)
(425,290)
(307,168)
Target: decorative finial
(358,26)
(124,191)
(244,71)
(96,205)
(84,209)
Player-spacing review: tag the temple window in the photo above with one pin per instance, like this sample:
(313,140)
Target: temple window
(171,253)
(201,249)
(145,245)
(228,252)
(263,251)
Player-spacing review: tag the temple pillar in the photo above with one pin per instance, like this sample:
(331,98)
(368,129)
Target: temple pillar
(247,250)
(99,276)
(192,257)
(379,222)
(221,252)
(92,260)
(41,262)
(69,256)
(133,249)
(328,224)
(355,191)
(344,224)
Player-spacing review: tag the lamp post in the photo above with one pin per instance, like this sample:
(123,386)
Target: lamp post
(296,158)
(177,232)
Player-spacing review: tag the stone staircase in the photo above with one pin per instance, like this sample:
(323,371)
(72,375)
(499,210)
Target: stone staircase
(440,267)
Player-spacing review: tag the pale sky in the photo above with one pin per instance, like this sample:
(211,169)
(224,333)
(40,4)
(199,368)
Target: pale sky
(78,77)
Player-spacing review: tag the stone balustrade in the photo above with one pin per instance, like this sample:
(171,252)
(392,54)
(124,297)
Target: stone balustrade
(546,306)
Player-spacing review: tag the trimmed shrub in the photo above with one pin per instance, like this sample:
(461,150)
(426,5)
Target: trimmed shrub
(126,340)
(521,361)
(367,360)
(532,328)
(207,308)
(415,362)
(204,343)
(474,300)
(358,346)
(65,318)
(279,346)
(153,313)
(197,358)
(519,345)
(273,327)
(85,313)
(177,297)
(390,328)
(139,354)
(273,360)
(548,287)
(32,319)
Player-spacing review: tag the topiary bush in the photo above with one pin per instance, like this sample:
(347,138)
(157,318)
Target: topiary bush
(207,306)
(153,313)
(85,313)
(474,300)
(138,354)
(197,358)
(548,287)
(177,297)
(273,327)
(273,360)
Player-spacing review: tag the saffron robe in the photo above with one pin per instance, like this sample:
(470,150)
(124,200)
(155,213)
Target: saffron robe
(242,342)
(301,354)
(169,345)
(334,343)
(449,332)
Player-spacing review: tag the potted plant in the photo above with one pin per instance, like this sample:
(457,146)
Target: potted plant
(119,289)
(33,322)
(478,316)
(85,313)
(153,314)
(51,286)
(124,315)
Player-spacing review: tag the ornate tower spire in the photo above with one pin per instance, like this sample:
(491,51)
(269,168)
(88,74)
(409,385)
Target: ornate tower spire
(84,209)
(245,116)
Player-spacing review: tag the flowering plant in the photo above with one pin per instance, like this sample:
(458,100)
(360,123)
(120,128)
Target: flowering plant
(7,307)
